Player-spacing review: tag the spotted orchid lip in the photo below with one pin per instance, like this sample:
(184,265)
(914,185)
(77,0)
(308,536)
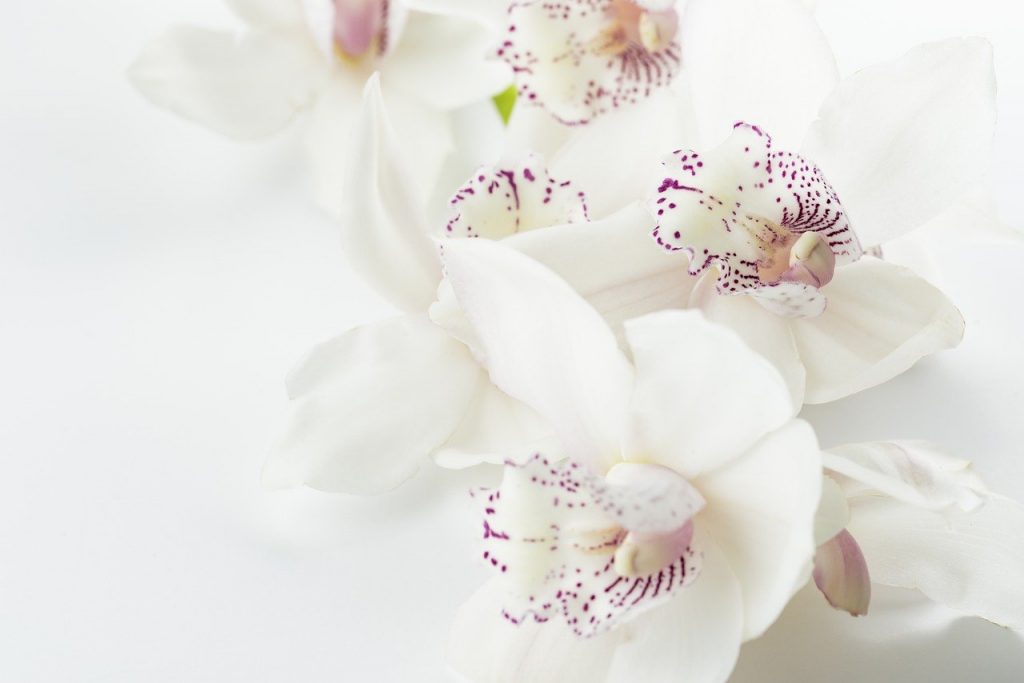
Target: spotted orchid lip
(582,58)
(591,550)
(511,197)
(767,220)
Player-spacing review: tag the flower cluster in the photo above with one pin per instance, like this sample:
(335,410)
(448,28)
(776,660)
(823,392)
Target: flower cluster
(680,238)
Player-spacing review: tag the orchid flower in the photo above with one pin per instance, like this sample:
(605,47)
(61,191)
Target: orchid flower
(683,520)
(905,514)
(408,370)
(315,56)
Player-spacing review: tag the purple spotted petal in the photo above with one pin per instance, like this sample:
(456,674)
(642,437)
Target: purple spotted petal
(582,58)
(742,208)
(516,197)
(547,532)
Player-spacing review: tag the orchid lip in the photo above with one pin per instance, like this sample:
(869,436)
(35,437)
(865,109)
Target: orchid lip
(767,220)
(350,30)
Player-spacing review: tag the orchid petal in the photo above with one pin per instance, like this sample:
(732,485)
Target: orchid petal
(924,520)
(841,574)
(702,396)
(622,276)
(595,78)
(441,61)
(616,158)
(552,531)
(244,88)
(762,330)
(880,320)
(761,510)
(273,14)
(496,429)
(971,561)
(514,197)
(913,472)
(544,345)
(833,512)
(694,638)
(903,140)
(382,226)
(484,647)
(350,392)
(764,61)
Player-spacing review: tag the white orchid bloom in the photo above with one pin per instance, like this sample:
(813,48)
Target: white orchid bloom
(351,392)
(683,522)
(905,514)
(315,56)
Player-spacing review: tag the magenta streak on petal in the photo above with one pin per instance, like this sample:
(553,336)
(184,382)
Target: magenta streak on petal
(841,574)
(545,522)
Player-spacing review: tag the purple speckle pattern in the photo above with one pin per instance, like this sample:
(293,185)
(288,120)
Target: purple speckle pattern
(515,197)
(549,532)
(740,208)
(559,52)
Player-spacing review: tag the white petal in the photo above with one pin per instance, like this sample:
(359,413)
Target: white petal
(762,330)
(486,648)
(613,264)
(533,129)
(761,509)
(913,472)
(369,406)
(496,428)
(544,345)
(970,561)
(694,638)
(443,61)
(277,14)
(243,87)
(762,61)
(382,225)
(616,159)
(880,320)
(488,12)
(971,220)
(702,396)
(903,140)
(833,512)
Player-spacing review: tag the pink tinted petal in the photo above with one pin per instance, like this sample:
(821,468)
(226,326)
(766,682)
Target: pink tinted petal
(545,532)
(841,574)
(582,58)
(515,197)
(742,207)
(357,24)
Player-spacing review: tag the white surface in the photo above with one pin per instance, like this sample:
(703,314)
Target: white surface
(156,282)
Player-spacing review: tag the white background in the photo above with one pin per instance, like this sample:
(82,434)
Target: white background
(156,282)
